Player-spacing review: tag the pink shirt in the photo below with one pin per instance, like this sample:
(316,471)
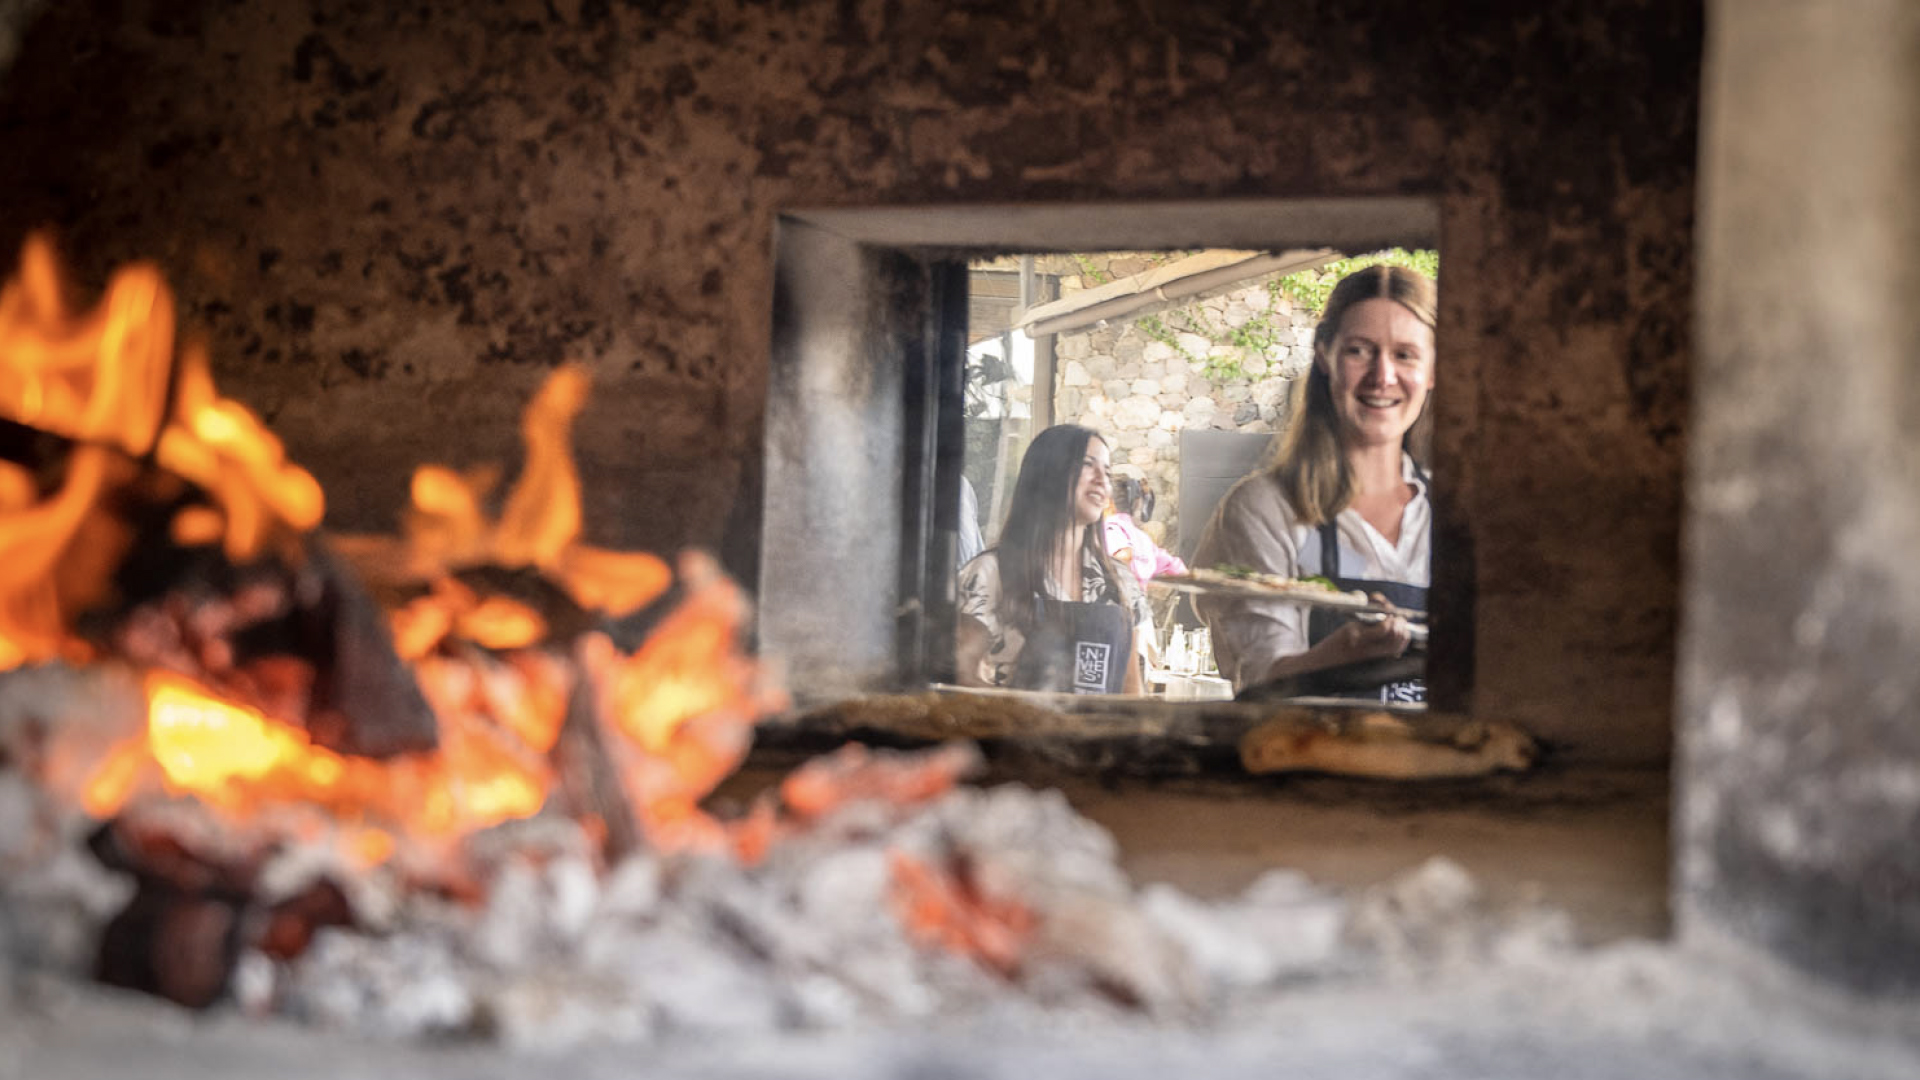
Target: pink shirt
(1146,558)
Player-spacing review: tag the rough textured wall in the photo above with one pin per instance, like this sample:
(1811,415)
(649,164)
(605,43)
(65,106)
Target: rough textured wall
(394,218)
(1801,808)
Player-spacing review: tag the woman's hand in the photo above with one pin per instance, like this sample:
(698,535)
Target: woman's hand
(1356,640)
(1352,642)
(971,640)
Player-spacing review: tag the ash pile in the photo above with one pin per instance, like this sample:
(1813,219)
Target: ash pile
(889,897)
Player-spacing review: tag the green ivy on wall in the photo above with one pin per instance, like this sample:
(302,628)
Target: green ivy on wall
(1309,289)
(1265,330)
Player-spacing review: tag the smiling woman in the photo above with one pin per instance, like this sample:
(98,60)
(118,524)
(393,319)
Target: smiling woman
(1046,608)
(1344,498)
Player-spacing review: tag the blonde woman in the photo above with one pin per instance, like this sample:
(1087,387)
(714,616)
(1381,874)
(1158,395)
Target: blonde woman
(1343,497)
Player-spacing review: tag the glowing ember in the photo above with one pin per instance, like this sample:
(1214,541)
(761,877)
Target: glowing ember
(853,774)
(947,909)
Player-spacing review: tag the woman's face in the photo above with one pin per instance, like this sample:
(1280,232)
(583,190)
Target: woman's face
(1095,485)
(1379,367)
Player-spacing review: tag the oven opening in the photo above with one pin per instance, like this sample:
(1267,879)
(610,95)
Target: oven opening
(923,357)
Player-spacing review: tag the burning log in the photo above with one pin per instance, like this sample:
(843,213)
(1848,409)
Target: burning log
(297,638)
(589,781)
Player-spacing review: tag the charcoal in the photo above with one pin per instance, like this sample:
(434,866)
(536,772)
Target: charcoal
(1421,917)
(630,631)
(206,891)
(536,949)
(565,618)
(535,910)
(550,1009)
(696,985)
(142,841)
(181,933)
(631,894)
(408,985)
(174,943)
(589,784)
(365,699)
(291,924)
(1115,949)
(294,635)
(58,722)
(1433,920)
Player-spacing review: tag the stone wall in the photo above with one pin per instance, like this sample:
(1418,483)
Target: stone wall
(392,220)
(1141,390)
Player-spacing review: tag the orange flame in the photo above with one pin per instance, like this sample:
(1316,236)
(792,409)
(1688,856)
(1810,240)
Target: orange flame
(239,762)
(97,378)
(540,527)
(103,380)
(686,703)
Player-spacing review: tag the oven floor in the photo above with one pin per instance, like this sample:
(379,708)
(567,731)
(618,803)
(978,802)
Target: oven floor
(1590,842)
(1592,845)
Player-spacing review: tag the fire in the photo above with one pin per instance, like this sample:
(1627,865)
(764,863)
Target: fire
(110,381)
(540,526)
(677,714)
(95,378)
(238,761)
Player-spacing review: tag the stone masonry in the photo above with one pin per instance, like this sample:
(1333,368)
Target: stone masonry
(1141,388)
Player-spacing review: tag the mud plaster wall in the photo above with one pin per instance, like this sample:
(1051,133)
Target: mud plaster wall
(1802,797)
(393,219)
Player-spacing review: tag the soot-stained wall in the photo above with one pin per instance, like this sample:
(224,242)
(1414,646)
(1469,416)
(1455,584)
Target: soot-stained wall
(393,219)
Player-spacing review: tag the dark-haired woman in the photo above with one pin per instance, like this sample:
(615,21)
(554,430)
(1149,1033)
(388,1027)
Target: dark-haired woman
(1343,497)
(1047,609)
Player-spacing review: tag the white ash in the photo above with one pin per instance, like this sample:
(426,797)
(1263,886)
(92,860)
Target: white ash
(1283,926)
(55,897)
(58,723)
(702,946)
(408,984)
(1435,918)
(558,952)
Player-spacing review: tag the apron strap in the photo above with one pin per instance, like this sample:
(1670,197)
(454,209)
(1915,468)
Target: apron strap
(1329,550)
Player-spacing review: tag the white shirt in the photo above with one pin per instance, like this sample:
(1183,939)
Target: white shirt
(1256,527)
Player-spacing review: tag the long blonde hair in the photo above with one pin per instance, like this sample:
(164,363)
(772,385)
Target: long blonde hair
(1309,462)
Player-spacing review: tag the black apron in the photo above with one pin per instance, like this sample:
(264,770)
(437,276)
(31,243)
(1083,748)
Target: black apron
(1324,621)
(1082,648)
